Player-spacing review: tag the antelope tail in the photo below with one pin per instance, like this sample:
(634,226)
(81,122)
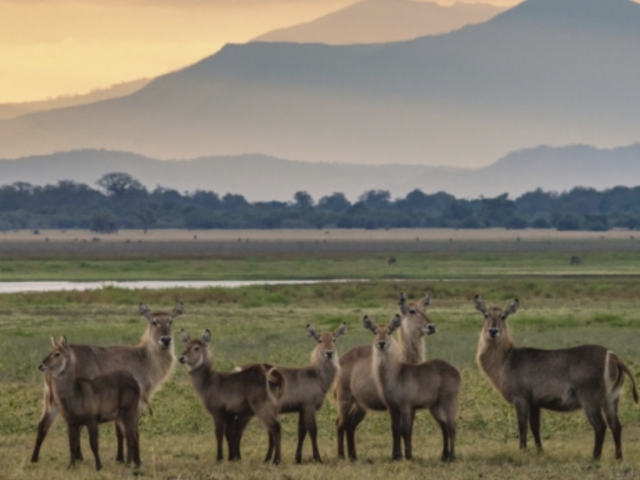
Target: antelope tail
(626,370)
(275,383)
(145,399)
(47,401)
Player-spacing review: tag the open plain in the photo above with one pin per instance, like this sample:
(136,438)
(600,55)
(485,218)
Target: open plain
(561,305)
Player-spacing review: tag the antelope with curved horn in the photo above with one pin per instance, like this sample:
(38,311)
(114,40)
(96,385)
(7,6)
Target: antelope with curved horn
(356,392)
(587,377)
(150,362)
(405,388)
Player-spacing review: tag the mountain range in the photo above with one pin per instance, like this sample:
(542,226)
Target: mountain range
(12,110)
(261,178)
(379,21)
(555,72)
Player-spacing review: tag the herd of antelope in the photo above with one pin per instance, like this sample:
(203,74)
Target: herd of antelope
(90,385)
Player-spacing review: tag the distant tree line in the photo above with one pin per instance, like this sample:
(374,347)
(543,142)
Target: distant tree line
(123,202)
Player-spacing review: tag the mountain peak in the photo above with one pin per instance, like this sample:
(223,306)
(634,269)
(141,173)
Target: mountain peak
(619,15)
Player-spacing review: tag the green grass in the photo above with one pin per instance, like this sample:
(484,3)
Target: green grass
(458,265)
(267,324)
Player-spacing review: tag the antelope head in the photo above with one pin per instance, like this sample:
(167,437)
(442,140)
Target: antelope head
(326,348)
(383,341)
(495,319)
(415,322)
(58,359)
(159,327)
(196,352)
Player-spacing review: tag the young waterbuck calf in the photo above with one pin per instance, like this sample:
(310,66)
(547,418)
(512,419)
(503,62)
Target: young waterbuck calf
(356,391)
(307,387)
(234,398)
(113,396)
(150,362)
(405,388)
(588,377)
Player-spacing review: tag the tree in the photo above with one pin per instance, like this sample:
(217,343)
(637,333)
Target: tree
(119,184)
(103,221)
(376,198)
(234,202)
(335,203)
(303,200)
(147,218)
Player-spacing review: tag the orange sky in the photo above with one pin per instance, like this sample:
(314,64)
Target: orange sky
(54,47)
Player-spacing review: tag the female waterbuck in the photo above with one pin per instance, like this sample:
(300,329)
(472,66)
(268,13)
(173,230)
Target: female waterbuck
(150,362)
(307,387)
(234,398)
(405,388)
(113,396)
(356,390)
(588,377)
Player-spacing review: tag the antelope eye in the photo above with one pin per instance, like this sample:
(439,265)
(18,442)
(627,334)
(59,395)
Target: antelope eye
(412,312)
(196,348)
(56,354)
(155,323)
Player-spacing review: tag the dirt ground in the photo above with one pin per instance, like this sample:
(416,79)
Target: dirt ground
(340,235)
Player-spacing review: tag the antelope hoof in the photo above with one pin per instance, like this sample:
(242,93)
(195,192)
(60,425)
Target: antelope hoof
(396,457)
(276,461)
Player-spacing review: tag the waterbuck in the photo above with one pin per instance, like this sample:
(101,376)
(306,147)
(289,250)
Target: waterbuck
(150,362)
(406,387)
(356,391)
(587,377)
(113,396)
(233,398)
(307,387)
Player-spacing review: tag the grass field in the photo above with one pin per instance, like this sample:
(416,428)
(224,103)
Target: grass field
(266,323)
(439,265)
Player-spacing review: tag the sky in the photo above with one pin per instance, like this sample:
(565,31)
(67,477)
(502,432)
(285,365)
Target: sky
(50,48)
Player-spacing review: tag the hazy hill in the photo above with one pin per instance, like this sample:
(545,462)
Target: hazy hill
(377,21)
(552,72)
(12,110)
(265,178)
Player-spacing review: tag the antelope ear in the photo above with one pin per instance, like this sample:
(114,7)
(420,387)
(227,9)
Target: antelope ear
(369,324)
(402,302)
(340,331)
(206,337)
(145,312)
(511,308)
(395,323)
(54,342)
(63,343)
(177,311)
(184,336)
(311,332)
(426,301)
(480,305)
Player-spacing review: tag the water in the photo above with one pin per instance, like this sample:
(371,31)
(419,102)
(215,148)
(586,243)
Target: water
(22,287)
